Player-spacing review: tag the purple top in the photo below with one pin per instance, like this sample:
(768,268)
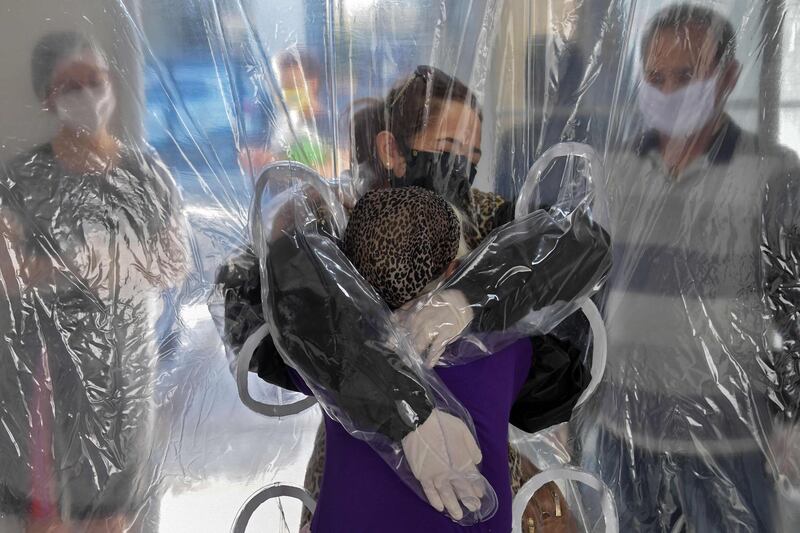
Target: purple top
(361,493)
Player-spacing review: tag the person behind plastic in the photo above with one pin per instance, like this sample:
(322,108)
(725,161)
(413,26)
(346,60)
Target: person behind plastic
(427,133)
(405,241)
(92,236)
(303,130)
(676,431)
(454,119)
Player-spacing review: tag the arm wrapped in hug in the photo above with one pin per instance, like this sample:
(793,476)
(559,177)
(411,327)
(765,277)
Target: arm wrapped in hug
(332,328)
(524,279)
(535,264)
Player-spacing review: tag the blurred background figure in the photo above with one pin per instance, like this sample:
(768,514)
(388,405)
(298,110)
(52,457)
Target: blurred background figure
(303,130)
(695,199)
(92,238)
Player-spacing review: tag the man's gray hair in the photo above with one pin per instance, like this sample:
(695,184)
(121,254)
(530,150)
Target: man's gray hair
(682,16)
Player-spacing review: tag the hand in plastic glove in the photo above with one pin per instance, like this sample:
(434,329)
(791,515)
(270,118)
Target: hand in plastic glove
(434,321)
(443,456)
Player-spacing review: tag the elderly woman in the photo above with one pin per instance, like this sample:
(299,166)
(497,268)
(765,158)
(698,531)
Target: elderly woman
(91,239)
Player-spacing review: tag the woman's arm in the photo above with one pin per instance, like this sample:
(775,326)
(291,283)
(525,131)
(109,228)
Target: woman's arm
(335,332)
(536,264)
(242,315)
(530,264)
(342,354)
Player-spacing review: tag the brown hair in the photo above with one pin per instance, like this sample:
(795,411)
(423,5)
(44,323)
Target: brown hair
(407,109)
(50,50)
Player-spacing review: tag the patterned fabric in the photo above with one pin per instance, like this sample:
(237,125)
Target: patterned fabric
(489,209)
(387,224)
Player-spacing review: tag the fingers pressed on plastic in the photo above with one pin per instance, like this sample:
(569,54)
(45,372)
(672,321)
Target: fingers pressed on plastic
(467,493)
(433,496)
(450,500)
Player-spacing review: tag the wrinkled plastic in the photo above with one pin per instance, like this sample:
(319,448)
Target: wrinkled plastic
(693,426)
(570,256)
(567,256)
(366,375)
(79,344)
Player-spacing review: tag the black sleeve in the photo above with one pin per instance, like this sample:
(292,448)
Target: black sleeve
(363,380)
(556,379)
(532,263)
(329,334)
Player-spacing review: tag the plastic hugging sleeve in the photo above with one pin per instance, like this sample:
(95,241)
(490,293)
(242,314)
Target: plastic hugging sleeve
(361,370)
(529,274)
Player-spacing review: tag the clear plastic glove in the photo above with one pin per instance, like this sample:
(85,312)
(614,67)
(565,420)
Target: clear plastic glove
(443,456)
(433,321)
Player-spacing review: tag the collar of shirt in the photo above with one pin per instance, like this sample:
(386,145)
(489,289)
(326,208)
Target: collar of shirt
(720,151)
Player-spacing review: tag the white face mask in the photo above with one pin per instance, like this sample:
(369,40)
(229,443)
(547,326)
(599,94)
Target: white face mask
(88,109)
(680,113)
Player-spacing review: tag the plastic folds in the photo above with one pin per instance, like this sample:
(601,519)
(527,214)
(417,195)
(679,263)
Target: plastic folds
(366,376)
(405,257)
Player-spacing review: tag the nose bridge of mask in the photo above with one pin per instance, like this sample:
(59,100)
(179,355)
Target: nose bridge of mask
(462,166)
(452,164)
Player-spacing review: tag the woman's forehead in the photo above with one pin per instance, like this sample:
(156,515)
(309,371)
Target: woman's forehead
(457,120)
(80,65)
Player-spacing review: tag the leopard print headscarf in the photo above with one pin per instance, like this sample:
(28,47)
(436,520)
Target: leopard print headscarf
(401,240)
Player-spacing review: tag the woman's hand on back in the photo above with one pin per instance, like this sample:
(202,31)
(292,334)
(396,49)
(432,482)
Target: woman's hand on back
(435,320)
(444,457)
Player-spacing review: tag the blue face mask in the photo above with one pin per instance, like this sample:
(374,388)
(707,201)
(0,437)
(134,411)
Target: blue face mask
(447,174)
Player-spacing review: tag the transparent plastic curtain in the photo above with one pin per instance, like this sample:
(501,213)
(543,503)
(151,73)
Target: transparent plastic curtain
(121,405)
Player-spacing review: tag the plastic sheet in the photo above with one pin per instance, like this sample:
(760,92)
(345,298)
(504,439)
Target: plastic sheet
(140,388)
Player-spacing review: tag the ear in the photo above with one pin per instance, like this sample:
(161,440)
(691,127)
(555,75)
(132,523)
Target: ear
(389,153)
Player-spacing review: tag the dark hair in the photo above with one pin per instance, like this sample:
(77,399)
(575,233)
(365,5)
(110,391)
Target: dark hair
(407,109)
(51,50)
(302,60)
(685,15)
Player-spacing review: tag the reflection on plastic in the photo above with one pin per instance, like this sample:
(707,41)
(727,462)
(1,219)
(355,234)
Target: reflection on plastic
(113,382)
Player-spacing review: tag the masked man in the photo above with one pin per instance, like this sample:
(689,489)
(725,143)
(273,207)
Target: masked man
(698,209)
